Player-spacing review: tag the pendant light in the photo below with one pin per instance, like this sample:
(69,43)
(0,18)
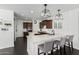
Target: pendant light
(59,16)
(46,12)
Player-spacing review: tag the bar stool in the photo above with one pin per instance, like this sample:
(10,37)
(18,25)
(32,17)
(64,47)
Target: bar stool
(60,44)
(69,42)
(45,48)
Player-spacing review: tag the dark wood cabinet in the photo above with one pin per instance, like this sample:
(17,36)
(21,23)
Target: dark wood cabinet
(25,25)
(28,26)
(48,24)
(25,34)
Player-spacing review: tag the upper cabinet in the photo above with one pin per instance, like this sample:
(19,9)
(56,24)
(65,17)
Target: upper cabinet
(28,26)
(47,23)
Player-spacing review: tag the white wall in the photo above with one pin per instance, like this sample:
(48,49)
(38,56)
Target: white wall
(36,26)
(7,37)
(71,25)
(19,28)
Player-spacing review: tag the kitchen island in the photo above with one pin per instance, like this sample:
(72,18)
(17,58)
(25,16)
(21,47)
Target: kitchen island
(34,40)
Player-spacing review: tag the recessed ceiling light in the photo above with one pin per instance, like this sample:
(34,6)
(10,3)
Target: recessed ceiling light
(31,11)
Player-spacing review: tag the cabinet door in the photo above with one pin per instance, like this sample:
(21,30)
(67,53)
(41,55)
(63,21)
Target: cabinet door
(30,27)
(49,24)
(25,25)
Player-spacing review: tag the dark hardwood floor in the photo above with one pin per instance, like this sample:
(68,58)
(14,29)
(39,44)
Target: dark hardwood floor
(20,48)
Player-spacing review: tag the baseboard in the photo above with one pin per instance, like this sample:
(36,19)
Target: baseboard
(76,48)
(7,46)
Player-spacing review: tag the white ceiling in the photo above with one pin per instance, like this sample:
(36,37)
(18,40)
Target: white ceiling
(33,10)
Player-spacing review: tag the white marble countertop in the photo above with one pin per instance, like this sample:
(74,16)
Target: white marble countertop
(45,37)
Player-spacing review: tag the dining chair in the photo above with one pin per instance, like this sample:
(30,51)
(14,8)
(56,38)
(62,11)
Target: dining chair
(61,44)
(69,42)
(45,48)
